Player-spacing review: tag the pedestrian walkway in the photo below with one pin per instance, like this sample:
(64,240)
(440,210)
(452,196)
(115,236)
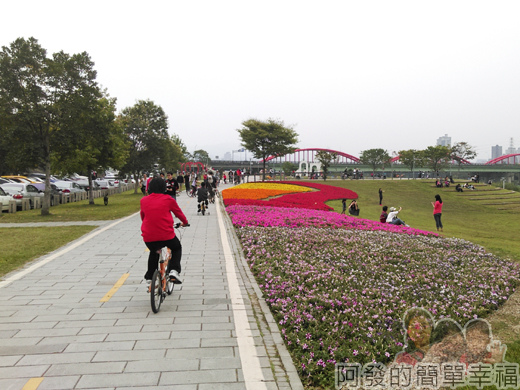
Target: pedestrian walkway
(80,318)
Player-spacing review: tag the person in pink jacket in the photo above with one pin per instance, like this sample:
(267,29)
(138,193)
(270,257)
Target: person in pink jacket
(437,211)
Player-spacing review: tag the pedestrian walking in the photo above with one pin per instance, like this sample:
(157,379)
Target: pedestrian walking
(380,197)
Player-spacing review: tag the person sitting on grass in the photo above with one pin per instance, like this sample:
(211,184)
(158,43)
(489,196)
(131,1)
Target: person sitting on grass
(384,215)
(392,217)
(344,205)
(353,208)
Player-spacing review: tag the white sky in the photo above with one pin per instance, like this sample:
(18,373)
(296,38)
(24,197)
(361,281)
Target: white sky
(348,75)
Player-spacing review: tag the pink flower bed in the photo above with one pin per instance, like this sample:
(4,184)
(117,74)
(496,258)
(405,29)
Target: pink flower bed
(310,200)
(298,218)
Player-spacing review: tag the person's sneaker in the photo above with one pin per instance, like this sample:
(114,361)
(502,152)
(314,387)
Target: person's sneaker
(175,277)
(148,285)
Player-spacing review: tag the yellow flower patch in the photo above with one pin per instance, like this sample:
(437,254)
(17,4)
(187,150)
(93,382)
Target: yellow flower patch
(261,190)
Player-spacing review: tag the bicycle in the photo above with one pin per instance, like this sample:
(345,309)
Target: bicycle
(161,285)
(203,208)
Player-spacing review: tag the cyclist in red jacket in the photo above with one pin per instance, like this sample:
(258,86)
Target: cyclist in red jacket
(157,228)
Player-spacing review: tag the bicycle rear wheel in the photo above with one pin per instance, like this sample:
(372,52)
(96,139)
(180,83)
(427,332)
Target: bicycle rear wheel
(156,291)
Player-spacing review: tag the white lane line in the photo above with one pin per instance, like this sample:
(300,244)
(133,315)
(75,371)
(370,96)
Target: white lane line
(46,260)
(252,371)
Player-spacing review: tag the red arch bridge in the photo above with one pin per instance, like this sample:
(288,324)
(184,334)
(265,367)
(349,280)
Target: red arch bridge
(309,155)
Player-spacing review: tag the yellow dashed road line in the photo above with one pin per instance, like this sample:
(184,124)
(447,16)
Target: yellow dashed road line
(114,289)
(32,384)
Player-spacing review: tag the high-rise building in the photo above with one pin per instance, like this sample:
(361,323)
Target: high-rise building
(444,141)
(496,151)
(511,149)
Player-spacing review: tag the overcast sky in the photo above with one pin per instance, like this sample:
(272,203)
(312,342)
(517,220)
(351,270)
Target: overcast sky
(348,75)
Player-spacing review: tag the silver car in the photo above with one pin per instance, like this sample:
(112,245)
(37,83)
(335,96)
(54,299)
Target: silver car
(26,190)
(67,187)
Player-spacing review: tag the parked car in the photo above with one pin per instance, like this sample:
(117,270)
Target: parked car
(84,184)
(67,187)
(4,181)
(4,200)
(24,189)
(55,192)
(104,184)
(18,179)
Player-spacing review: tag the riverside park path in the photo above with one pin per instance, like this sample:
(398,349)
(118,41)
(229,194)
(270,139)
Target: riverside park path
(80,317)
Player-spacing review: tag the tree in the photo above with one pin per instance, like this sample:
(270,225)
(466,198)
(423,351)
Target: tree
(270,138)
(146,128)
(326,159)
(41,100)
(411,158)
(288,167)
(436,157)
(375,158)
(462,151)
(100,144)
(202,156)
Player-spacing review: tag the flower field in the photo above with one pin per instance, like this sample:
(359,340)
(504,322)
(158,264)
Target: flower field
(338,286)
(295,195)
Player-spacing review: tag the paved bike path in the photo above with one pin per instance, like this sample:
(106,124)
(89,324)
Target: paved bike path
(212,333)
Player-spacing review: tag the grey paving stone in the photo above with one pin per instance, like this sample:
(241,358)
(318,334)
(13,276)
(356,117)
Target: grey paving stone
(102,346)
(73,357)
(122,356)
(168,344)
(198,353)
(59,383)
(6,361)
(138,336)
(119,380)
(22,371)
(206,376)
(85,368)
(163,365)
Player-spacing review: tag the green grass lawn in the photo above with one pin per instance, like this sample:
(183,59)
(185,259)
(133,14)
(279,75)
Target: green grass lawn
(15,249)
(119,205)
(476,216)
(21,245)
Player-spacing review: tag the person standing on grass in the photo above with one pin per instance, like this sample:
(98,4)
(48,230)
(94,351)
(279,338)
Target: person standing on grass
(344,204)
(380,197)
(437,211)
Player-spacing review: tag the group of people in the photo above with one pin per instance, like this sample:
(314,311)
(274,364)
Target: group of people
(156,214)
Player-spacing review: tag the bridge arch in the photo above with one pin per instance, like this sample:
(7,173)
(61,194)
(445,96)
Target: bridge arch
(513,158)
(309,155)
(188,166)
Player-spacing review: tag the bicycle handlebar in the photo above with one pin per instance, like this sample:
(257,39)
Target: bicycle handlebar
(178,225)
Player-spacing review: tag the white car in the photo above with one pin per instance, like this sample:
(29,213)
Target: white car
(4,200)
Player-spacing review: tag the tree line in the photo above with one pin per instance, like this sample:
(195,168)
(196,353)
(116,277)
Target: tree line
(436,158)
(56,118)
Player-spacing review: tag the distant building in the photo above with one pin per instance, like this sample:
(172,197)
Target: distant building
(496,151)
(511,149)
(444,141)
(227,156)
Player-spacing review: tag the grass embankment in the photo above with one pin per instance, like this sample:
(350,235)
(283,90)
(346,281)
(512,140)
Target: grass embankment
(23,244)
(487,216)
(119,206)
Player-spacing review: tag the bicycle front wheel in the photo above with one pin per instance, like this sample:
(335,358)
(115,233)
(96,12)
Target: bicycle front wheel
(156,291)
